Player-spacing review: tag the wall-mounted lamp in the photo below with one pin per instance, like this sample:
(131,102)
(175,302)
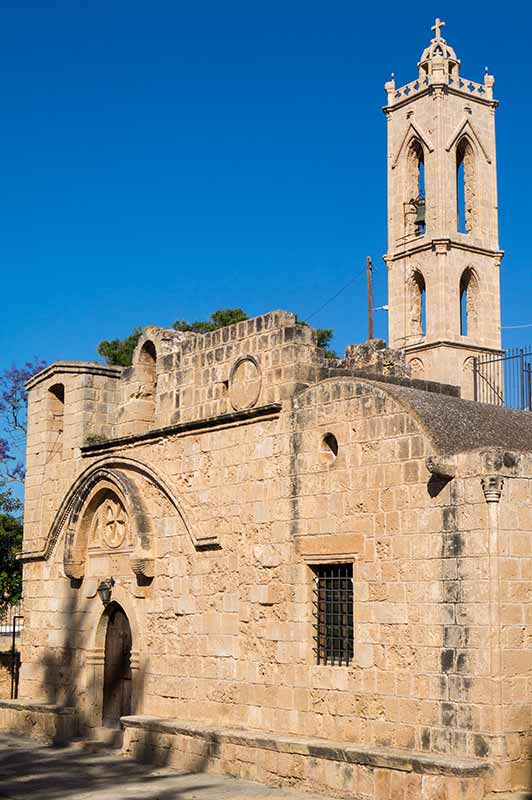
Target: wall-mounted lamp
(105,590)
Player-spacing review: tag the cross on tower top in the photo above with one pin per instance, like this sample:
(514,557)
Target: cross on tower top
(438,25)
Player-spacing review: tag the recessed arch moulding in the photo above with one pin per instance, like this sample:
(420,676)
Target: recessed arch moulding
(108,519)
(110,522)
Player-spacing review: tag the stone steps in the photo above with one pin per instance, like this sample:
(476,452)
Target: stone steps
(101,739)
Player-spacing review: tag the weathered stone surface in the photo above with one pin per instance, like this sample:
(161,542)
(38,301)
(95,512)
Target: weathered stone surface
(374,357)
(332,768)
(48,722)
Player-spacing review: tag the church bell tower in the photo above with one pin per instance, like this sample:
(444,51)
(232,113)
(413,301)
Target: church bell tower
(443,250)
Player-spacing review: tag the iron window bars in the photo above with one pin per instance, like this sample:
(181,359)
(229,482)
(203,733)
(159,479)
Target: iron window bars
(333,600)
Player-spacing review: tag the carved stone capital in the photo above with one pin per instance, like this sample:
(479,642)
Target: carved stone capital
(95,657)
(135,659)
(441,246)
(492,487)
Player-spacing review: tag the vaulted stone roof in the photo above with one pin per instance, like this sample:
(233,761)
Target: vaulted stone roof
(457,425)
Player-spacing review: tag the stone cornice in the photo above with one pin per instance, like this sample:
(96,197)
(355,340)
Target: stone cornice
(230,419)
(483,101)
(74,368)
(422,245)
(449,343)
(402,103)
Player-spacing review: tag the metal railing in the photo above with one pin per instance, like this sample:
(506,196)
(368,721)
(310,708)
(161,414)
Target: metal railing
(11,617)
(11,624)
(504,380)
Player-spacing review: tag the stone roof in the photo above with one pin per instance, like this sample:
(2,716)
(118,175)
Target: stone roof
(457,425)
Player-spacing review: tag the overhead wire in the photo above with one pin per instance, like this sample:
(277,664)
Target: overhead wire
(338,293)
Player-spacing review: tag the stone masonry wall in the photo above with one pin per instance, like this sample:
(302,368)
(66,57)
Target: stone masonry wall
(217,522)
(234,626)
(514,693)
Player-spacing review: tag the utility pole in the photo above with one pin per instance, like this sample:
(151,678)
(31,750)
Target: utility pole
(369,275)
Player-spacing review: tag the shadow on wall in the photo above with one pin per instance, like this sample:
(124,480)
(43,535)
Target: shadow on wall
(6,659)
(66,669)
(65,683)
(150,747)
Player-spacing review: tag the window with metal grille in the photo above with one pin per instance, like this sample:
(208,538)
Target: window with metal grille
(333,598)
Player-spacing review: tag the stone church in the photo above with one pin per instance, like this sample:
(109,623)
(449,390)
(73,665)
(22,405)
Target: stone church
(307,572)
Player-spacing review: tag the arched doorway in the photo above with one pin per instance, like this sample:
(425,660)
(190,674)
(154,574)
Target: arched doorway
(117,668)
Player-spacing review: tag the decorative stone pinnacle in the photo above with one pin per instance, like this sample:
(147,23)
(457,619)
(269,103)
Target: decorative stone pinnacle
(492,487)
(438,25)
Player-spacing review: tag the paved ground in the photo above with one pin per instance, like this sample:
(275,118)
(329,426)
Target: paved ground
(29,770)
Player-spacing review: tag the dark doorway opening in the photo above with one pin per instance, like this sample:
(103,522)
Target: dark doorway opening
(117,670)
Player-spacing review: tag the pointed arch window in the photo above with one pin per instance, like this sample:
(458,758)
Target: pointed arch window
(469,303)
(418,311)
(465,186)
(415,200)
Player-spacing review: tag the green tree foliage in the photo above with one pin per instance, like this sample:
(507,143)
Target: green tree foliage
(120,351)
(10,545)
(218,319)
(324,337)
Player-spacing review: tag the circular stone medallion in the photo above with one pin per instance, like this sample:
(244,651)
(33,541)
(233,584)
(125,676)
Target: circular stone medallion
(244,383)
(113,520)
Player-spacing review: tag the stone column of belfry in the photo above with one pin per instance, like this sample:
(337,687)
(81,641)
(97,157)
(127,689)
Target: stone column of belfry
(492,486)
(443,252)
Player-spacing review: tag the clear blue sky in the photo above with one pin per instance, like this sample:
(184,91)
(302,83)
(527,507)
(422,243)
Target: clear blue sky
(165,159)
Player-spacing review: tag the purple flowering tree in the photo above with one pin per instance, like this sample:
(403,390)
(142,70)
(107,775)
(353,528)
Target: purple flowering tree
(13,419)
(13,424)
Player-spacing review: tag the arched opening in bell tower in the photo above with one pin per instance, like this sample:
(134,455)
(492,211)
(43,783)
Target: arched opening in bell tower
(465,186)
(469,303)
(416,188)
(418,314)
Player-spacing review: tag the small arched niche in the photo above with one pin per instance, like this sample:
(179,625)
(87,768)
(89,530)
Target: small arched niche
(468,379)
(55,421)
(466,191)
(417,304)
(146,373)
(417,368)
(469,303)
